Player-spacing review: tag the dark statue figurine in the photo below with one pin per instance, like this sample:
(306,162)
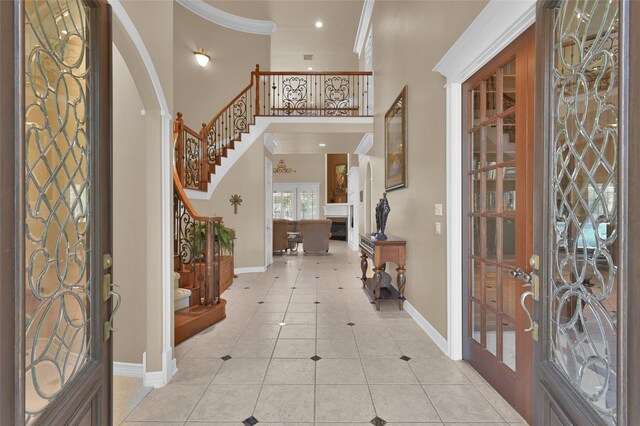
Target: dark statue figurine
(382,213)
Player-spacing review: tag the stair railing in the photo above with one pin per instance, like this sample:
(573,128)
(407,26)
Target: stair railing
(197,256)
(269,93)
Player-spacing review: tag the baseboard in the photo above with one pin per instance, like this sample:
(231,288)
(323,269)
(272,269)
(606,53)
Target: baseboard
(250,270)
(422,322)
(153,379)
(127,369)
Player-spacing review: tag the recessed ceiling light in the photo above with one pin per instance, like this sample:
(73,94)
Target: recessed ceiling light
(310,68)
(319,24)
(322,144)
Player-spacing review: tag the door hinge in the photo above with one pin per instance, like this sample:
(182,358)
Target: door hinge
(534,331)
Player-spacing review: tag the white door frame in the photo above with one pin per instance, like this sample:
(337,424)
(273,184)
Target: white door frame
(353,198)
(268,211)
(498,24)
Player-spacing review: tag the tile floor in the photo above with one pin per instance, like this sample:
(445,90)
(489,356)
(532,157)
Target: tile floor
(301,344)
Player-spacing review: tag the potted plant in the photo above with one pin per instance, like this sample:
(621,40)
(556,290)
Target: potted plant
(222,235)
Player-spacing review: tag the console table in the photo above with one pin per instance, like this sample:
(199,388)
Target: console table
(393,249)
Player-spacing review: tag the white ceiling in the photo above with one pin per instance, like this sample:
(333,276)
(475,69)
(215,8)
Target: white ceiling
(296,34)
(308,143)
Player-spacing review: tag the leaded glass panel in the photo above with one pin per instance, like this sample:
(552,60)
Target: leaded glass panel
(583,286)
(57,201)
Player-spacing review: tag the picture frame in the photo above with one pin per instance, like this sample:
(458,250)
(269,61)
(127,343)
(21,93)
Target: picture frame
(395,143)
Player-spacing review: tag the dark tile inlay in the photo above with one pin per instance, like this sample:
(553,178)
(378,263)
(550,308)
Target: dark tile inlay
(293,288)
(277,277)
(246,288)
(226,358)
(260,302)
(316,302)
(377,421)
(350,324)
(316,358)
(251,421)
(317,277)
(405,358)
(339,288)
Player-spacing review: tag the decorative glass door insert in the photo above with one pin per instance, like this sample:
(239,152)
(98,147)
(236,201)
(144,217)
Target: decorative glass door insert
(582,302)
(57,200)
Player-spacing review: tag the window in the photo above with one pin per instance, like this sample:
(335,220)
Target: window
(295,201)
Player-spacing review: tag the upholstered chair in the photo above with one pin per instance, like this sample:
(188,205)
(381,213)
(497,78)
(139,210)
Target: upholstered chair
(315,235)
(280,242)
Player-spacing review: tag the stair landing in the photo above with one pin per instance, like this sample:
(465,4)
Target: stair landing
(192,320)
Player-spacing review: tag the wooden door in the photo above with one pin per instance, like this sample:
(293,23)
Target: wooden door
(56,213)
(498,131)
(587,203)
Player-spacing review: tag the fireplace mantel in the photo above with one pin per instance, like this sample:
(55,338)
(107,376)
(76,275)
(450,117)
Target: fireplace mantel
(336,210)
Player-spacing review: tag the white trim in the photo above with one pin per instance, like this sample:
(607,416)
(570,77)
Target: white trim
(166,191)
(270,142)
(151,378)
(498,24)
(364,146)
(426,326)
(228,20)
(363,26)
(127,369)
(250,270)
(268,210)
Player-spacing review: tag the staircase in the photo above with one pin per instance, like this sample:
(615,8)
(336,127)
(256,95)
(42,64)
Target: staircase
(199,156)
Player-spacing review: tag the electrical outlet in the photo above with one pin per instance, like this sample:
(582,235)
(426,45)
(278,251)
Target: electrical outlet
(438,209)
(438,228)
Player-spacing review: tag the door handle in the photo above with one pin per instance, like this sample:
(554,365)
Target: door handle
(108,325)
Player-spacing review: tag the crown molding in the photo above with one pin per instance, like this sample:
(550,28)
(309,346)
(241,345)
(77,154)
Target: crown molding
(363,26)
(499,23)
(365,144)
(228,20)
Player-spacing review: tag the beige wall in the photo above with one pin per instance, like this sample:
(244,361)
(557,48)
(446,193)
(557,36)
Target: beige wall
(309,169)
(129,232)
(246,178)
(409,38)
(200,92)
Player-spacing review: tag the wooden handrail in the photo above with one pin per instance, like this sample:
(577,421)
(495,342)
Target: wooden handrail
(315,73)
(206,129)
(177,185)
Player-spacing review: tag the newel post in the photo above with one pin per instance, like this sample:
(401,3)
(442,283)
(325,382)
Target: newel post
(209,262)
(179,149)
(257,74)
(204,153)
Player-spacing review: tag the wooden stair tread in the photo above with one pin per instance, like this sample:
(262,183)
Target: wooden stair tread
(192,320)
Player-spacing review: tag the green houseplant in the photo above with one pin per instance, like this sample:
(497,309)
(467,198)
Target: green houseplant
(223,237)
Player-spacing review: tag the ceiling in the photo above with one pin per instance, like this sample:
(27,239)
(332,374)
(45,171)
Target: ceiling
(296,34)
(307,143)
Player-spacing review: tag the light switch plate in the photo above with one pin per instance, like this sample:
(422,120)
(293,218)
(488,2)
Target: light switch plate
(438,210)
(438,228)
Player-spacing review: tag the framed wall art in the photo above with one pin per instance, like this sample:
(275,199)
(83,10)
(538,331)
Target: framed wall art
(395,143)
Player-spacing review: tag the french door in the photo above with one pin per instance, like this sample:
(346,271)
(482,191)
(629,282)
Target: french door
(498,129)
(587,204)
(55,232)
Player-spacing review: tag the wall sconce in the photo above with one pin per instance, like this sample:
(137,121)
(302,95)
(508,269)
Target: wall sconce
(202,57)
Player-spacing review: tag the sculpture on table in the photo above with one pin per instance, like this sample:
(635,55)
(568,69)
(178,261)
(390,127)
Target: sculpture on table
(382,213)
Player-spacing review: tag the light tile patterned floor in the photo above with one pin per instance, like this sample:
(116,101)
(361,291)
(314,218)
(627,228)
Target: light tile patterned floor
(305,346)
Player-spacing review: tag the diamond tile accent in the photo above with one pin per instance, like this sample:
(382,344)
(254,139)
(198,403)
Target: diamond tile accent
(339,288)
(246,288)
(316,358)
(377,421)
(294,288)
(260,302)
(251,421)
(317,277)
(226,358)
(316,302)
(405,358)
(350,324)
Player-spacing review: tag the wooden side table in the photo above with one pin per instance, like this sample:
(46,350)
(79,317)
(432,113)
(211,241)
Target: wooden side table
(394,250)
